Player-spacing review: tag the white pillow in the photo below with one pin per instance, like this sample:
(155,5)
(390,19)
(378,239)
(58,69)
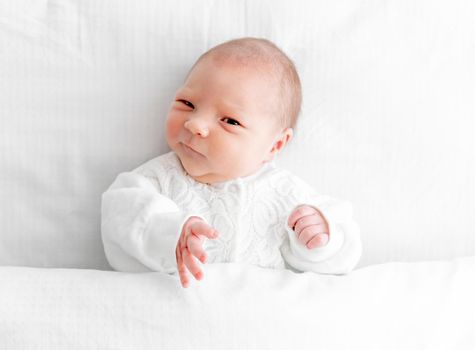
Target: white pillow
(388,96)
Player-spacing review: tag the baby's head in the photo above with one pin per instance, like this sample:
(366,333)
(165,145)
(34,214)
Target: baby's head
(235,111)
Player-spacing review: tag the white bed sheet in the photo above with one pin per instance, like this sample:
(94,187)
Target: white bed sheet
(425,305)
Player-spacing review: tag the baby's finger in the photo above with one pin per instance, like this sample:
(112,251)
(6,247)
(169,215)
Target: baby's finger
(306,221)
(202,228)
(181,268)
(300,211)
(191,264)
(318,241)
(195,246)
(307,233)
(184,234)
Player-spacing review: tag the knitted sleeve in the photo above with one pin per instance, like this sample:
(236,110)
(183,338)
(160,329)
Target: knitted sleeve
(140,227)
(343,250)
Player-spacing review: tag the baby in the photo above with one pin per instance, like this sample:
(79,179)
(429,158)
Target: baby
(218,195)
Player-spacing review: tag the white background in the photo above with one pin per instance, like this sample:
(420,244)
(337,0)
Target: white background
(387,118)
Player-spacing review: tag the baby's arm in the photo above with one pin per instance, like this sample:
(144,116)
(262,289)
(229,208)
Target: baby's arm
(140,227)
(335,253)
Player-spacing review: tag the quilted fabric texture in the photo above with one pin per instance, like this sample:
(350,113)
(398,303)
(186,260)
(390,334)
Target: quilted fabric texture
(240,306)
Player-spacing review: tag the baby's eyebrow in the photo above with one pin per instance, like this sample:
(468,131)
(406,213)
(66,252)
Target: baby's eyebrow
(234,107)
(184,91)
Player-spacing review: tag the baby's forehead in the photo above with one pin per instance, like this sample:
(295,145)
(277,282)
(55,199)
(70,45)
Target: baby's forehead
(264,59)
(249,70)
(257,62)
(253,72)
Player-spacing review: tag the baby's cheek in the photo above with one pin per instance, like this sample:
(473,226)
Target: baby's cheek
(172,127)
(226,153)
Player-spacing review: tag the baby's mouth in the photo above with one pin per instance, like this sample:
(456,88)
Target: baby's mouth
(190,150)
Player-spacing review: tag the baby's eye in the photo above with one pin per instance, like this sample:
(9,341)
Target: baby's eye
(187,103)
(231,121)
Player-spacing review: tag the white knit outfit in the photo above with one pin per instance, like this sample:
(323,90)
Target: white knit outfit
(144,210)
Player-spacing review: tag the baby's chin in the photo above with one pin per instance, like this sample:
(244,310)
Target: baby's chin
(202,175)
(192,169)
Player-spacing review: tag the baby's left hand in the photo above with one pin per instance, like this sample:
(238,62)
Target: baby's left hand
(310,226)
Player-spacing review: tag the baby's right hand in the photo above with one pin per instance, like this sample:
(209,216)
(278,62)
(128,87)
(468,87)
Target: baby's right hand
(190,243)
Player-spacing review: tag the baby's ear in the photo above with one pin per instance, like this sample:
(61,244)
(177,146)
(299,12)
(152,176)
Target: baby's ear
(281,141)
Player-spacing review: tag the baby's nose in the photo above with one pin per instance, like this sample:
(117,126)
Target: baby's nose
(197,127)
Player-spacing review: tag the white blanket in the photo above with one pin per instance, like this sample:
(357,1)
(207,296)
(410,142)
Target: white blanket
(426,305)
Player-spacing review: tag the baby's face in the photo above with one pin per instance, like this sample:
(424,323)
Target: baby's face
(222,123)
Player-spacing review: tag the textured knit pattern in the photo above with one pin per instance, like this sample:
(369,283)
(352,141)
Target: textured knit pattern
(147,208)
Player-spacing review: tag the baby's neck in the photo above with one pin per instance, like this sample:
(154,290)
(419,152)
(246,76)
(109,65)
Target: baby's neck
(217,180)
